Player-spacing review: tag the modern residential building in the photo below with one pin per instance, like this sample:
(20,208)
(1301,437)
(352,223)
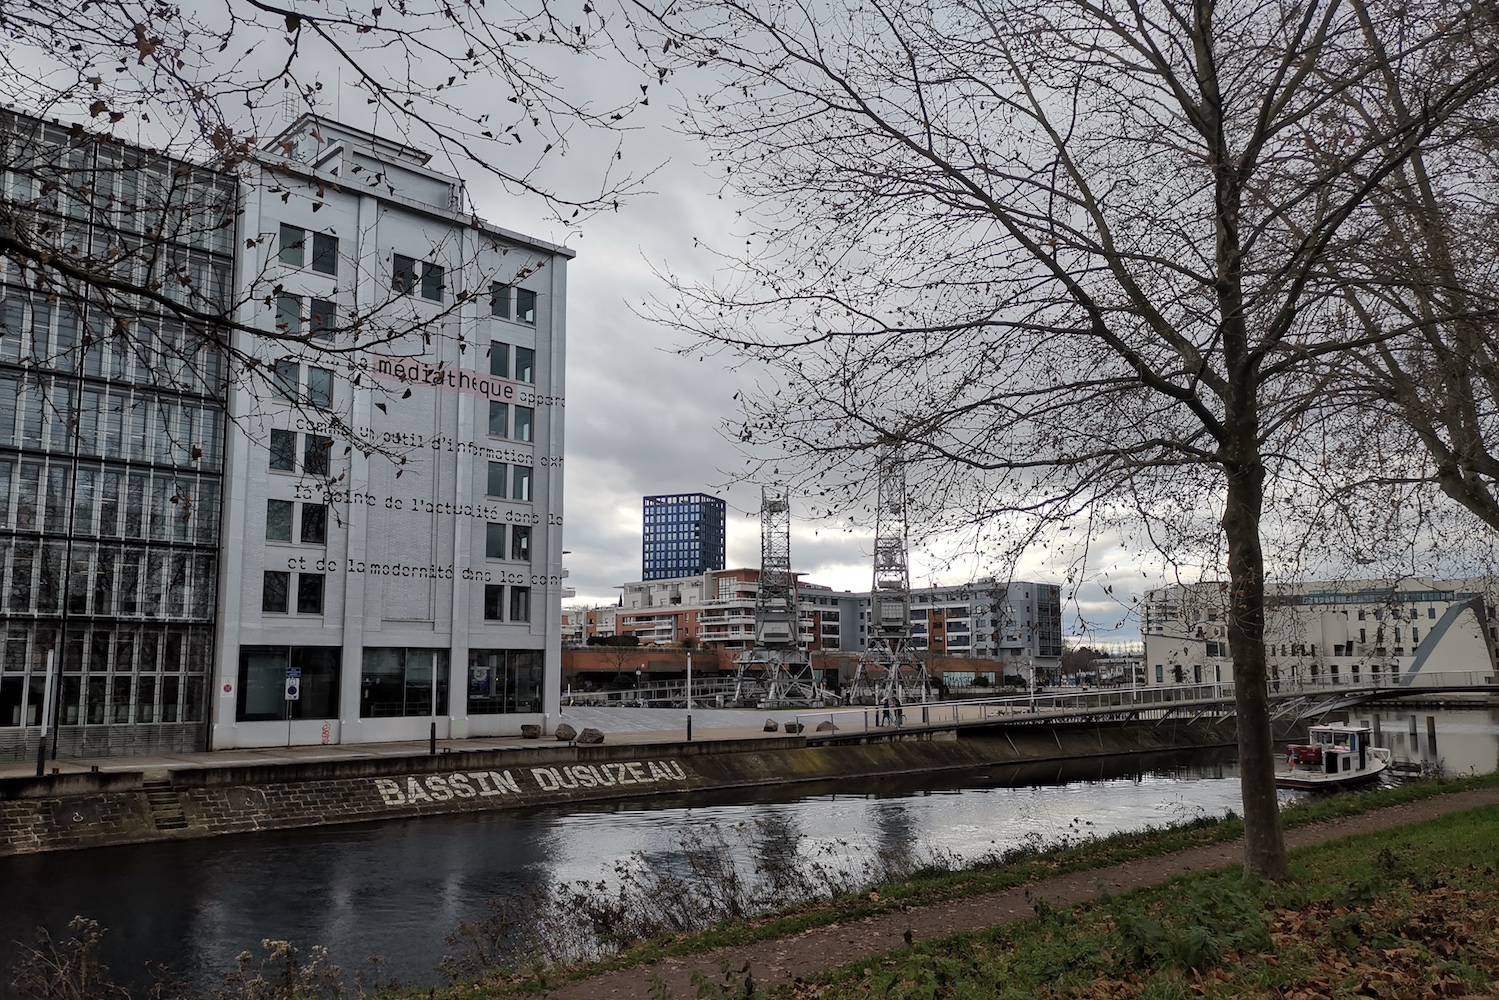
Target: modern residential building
(345,530)
(1360,631)
(1015,622)
(717,610)
(683,535)
(111,447)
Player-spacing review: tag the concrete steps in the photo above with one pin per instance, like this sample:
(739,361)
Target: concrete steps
(166,807)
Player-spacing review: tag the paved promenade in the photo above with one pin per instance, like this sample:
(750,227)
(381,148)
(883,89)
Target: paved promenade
(628,726)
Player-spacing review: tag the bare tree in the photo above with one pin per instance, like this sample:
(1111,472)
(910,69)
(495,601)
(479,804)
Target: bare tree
(1082,260)
(210,86)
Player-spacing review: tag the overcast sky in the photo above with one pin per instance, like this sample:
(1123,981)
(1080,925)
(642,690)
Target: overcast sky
(644,418)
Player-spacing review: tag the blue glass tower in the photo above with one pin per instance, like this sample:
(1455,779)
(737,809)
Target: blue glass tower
(684,535)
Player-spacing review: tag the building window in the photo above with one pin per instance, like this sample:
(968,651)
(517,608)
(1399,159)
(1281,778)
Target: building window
(1160,674)
(1415,635)
(403,274)
(323,319)
(278,514)
(503,682)
(499,300)
(289,315)
(496,484)
(285,374)
(525,365)
(1431,612)
(399,683)
(262,683)
(409,275)
(283,451)
(520,543)
(317,455)
(499,359)
(521,483)
(274,592)
(314,523)
(309,593)
(319,387)
(293,239)
(494,541)
(520,604)
(432,284)
(524,417)
(324,253)
(499,419)
(494,600)
(525,305)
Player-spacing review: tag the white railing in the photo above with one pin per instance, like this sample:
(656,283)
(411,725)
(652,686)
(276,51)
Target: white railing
(1061,703)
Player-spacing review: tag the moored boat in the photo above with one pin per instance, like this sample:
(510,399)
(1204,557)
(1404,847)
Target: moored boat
(1335,755)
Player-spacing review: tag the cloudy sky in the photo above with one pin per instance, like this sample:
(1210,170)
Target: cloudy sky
(643,415)
(646,417)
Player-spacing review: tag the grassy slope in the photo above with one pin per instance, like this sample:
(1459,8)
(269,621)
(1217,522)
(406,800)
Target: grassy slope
(1408,912)
(931,887)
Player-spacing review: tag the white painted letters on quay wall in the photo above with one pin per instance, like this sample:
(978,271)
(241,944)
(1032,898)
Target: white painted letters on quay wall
(415,790)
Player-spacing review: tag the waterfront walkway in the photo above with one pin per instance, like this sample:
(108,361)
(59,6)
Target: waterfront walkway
(627,726)
(782,961)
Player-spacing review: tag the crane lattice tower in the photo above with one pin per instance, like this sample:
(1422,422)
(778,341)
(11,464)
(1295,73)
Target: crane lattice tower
(777,671)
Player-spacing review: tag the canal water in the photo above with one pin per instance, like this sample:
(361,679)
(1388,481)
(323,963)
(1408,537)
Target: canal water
(399,888)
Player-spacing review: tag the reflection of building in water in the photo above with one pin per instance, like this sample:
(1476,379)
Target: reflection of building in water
(1467,740)
(896,834)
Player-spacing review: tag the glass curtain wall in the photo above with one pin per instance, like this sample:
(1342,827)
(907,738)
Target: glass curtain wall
(111,446)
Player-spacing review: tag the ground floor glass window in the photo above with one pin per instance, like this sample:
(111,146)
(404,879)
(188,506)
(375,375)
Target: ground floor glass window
(262,682)
(396,682)
(505,681)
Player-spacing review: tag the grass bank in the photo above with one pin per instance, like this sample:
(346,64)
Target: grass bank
(1407,912)
(932,885)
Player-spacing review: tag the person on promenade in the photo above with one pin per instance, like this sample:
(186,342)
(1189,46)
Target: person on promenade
(900,714)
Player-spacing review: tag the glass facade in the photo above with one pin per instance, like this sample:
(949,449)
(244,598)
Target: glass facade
(111,446)
(684,536)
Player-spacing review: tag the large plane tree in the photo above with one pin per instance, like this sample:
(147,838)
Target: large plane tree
(1080,259)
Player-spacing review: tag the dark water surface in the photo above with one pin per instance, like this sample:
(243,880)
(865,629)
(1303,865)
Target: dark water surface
(398,888)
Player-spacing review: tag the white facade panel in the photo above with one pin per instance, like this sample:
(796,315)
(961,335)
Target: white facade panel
(436,526)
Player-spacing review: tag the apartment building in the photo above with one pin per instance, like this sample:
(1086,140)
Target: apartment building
(1016,622)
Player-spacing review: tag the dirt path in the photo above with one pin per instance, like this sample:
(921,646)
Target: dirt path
(781,961)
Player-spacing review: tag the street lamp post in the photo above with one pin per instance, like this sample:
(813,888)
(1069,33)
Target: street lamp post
(689,696)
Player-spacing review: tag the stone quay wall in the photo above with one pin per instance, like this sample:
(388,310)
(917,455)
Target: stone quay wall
(73,811)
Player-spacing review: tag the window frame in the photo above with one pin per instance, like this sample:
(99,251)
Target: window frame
(278,433)
(296,248)
(290,509)
(267,602)
(324,251)
(523,298)
(311,590)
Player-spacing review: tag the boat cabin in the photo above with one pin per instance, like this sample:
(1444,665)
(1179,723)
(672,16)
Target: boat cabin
(1334,748)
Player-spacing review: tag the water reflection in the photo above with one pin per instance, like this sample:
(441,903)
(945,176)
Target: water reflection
(398,888)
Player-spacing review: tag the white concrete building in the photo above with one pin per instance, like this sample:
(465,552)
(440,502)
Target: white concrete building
(1358,632)
(393,484)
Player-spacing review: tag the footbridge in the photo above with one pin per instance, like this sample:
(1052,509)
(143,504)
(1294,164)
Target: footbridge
(1146,705)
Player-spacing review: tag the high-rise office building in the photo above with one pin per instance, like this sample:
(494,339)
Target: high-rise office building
(683,535)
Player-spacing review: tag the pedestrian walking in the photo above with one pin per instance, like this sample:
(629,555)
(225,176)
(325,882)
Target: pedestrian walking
(900,714)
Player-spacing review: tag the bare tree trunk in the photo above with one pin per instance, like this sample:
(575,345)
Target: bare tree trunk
(1264,844)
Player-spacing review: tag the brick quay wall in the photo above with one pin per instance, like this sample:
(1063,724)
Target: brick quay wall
(72,811)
